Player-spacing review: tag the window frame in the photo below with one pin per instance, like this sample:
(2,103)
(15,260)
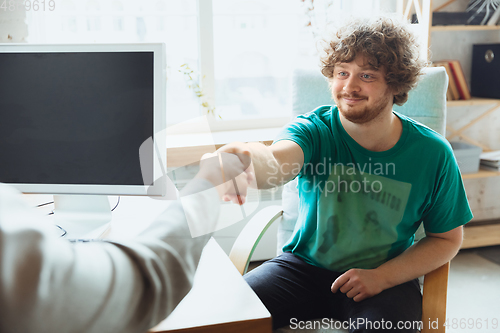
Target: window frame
(206,67)
(207,82)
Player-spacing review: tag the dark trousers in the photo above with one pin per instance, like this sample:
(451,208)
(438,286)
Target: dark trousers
(295,292)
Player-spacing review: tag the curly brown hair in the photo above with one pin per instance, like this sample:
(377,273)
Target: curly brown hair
(383,42)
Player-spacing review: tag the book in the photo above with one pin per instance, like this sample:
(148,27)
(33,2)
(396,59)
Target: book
(449,95)
(452,87)
(490,164)
(460,81)
(492,156)
(490,160)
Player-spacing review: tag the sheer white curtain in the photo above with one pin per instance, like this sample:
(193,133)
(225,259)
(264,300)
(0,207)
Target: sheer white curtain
(130,21)
(327,15)
(255,44)
(13,28)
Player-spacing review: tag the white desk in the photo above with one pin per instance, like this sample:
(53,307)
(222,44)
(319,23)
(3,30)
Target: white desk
(220,301)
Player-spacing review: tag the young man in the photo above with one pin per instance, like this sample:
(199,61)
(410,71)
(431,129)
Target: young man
(50,285)
(367,178)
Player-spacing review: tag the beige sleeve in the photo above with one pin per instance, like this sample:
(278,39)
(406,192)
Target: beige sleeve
(50,285)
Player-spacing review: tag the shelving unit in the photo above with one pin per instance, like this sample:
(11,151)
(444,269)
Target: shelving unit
(464,27)
(482,235)
(474,101)
(475,235)
(481,174)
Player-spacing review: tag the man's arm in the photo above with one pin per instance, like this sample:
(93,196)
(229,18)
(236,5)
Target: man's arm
(423,257)
(273,165)
(50,285)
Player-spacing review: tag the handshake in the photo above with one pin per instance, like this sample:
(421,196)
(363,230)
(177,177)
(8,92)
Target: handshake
(230,173)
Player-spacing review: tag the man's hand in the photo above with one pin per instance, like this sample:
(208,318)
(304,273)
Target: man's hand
(359,284)
(235,148)
(421,258)
(272,165)
(231,174)
(241,150)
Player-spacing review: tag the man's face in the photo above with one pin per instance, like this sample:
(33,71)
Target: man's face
(360,91)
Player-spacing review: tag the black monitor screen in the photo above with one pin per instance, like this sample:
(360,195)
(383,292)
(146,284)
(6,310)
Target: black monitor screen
(74,118)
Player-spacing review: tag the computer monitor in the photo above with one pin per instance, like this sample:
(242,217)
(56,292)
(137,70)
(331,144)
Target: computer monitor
(83,122)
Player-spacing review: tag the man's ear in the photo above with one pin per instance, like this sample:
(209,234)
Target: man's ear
(393,90)
(330,83)
(330,88)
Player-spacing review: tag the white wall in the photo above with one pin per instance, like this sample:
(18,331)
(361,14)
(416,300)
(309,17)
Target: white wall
(13,28)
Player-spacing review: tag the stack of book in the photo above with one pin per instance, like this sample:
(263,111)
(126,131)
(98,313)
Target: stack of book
(457,86)
(490,160)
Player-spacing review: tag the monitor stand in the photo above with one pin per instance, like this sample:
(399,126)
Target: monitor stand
(82,216)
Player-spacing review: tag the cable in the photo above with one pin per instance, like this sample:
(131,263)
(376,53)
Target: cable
(117,203)
(64,232)
(45,204)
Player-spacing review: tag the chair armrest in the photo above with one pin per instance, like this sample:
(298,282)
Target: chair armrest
(249,238)
(434,299)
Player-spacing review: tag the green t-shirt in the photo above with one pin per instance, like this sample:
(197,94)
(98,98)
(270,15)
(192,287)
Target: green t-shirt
(359,208)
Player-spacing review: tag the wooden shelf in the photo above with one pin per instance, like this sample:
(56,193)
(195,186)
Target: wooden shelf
(464,27)
(473,101)
(474,235)
(481,174)
(483,235)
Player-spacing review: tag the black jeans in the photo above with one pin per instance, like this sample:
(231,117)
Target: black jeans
(295,292)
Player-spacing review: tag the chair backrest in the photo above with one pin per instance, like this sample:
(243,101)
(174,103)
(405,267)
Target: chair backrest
(426,104)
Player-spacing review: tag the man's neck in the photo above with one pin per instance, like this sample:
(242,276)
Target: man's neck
(380,134)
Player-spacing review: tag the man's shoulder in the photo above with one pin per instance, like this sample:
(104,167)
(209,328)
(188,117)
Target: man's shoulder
(320,115)
(313,126)
(324,111)
(422,134)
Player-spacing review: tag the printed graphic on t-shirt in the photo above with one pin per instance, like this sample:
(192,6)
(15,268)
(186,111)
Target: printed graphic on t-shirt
(357,221)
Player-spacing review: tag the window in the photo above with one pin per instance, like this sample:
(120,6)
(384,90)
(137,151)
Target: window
(255,48)
(242,51)
(130,21)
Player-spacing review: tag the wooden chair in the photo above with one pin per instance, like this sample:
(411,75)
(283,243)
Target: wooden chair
(427,104)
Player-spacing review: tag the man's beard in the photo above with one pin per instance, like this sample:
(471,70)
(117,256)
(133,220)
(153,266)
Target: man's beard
(368,113)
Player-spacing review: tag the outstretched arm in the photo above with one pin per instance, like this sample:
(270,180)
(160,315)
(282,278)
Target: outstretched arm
(423,257)
(50,285)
